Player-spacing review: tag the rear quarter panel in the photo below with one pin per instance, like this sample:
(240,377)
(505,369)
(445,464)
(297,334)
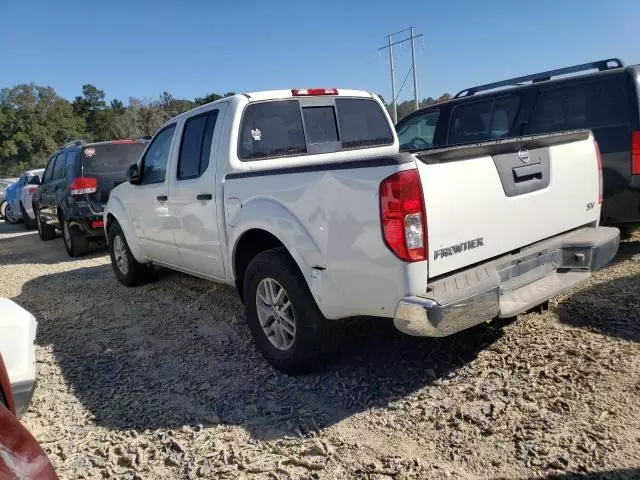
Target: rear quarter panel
(328,219)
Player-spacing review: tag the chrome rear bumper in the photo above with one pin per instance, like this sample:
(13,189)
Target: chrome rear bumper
(509,285)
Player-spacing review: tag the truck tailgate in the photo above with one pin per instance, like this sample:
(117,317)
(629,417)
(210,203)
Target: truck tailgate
(489,199)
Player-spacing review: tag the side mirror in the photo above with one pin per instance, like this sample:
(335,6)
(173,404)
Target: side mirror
(133,174)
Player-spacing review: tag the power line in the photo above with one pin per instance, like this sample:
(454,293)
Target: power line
(390,46)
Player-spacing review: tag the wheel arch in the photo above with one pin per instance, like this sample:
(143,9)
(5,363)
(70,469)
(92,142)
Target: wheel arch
(115,213)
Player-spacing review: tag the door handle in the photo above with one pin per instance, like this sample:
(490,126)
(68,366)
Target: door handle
(527,172)
(204,196)
(162,198)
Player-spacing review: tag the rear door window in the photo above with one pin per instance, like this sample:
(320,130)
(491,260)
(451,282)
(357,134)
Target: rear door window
(196,145)
(58,171)
(586,104)
(504,113)
(283,128)
(482,121)
(48,172)
(471,123)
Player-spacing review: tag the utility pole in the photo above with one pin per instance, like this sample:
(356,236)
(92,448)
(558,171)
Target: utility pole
(415,76)
(390,45)
(394,108)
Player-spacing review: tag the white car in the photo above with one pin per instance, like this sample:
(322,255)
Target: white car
(25,194)
(301,199)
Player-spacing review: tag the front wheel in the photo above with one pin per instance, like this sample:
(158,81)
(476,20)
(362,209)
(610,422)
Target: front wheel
(128,270)
(286,324)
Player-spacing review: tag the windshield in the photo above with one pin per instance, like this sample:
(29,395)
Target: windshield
(110,159)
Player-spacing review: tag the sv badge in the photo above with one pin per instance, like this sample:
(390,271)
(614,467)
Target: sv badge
(590,205)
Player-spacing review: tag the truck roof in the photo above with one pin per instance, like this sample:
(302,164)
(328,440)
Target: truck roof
(281,94)
(269,95)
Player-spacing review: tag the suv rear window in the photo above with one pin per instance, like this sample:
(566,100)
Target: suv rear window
(592,103)
(110,159)
(276,128)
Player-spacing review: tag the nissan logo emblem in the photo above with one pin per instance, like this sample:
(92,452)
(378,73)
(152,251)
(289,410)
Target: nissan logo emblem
(523,155)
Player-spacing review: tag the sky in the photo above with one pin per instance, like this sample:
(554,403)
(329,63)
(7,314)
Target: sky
(140,48)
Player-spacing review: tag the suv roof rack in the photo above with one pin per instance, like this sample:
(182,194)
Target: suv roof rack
(73,143)
(601,65)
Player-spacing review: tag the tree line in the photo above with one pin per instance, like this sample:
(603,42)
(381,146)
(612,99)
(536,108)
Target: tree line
(35,121)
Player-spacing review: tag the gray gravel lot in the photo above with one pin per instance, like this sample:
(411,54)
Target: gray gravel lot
(163,381)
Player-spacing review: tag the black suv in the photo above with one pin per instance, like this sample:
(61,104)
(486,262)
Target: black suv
(606,101)
(75,187)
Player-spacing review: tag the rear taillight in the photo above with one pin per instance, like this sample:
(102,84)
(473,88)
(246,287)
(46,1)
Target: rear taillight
(635,153)
(403,217)
(83,185)
(312,92)
(97,223)
(32,188)
(599,157)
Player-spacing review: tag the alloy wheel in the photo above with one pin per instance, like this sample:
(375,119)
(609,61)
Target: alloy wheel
(275,314)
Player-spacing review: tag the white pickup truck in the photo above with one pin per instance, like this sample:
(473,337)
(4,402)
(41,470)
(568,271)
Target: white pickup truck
(301,199)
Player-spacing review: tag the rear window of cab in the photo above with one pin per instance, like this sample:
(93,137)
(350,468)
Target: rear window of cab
(281,128)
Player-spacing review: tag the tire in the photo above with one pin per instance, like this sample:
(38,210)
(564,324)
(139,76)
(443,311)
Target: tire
(46,232)
(128,270)
(28,223)
(75,246)
(11,215)
(315,339)
(3,207)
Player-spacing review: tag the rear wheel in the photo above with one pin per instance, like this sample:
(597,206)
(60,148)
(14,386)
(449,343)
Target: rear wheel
(28,223)
(12,215)
(286,324)
(3,207)
(128,270)
(76,246)
(46,232)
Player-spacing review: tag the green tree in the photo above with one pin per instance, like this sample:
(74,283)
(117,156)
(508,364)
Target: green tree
(92,107)
(34,121)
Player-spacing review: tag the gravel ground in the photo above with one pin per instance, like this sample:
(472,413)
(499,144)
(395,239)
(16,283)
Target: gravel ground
(163,381)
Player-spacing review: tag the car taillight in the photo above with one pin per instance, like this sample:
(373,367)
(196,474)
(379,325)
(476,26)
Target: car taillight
(310,92)
(403,216)
(83,185)
(599,157)
(32,188)
(635,153)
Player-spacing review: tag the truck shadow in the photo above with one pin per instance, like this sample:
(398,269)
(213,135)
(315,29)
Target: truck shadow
(611,307)
(178,352)
(22,247)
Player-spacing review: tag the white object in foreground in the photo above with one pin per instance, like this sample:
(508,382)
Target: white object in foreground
(17,336)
